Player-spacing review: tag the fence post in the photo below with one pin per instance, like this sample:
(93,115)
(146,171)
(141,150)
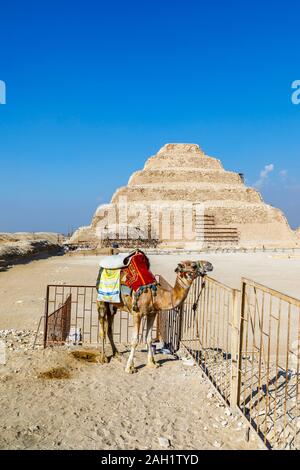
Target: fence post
(235,338)
(180,314)
(158,327)
(46,316)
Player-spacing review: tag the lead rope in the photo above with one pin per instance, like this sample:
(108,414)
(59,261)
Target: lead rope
(195,304)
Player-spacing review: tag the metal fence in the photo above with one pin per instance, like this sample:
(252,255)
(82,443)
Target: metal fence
(58,324)
(248,345)
(268,372)
(83,326)
(246,342)
(169,326)
(207,331)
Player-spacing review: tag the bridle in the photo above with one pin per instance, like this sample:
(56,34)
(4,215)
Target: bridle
(199,271)
(191,275)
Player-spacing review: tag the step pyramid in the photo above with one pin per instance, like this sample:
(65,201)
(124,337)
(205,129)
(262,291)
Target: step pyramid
(184,198)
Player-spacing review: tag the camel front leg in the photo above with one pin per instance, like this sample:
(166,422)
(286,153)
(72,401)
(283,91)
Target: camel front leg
(130,369)
(150,322)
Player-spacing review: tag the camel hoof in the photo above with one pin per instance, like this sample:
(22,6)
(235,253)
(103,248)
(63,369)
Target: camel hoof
(117,356)
(131,370)
(153,365)
(103,359)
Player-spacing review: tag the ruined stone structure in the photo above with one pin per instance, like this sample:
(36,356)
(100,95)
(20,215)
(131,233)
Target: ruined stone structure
(184,198)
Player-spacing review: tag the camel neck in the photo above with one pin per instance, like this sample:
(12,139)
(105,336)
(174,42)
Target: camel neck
(180,291)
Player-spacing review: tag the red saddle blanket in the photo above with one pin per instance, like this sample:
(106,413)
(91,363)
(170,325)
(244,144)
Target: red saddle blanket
(137,274)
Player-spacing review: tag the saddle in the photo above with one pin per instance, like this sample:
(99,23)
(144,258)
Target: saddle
(130,271)
(115,261)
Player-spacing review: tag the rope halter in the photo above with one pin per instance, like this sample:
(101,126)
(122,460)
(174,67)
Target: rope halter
(193,269)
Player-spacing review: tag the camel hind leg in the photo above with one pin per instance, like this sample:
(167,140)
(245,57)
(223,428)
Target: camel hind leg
(110,319)
(103,320)
(135,341)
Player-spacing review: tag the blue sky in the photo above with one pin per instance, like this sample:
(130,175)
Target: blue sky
(94,88)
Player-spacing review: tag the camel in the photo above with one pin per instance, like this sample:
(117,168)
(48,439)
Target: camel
(149,305)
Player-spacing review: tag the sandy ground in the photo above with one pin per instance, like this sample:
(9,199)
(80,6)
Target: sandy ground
(101,407)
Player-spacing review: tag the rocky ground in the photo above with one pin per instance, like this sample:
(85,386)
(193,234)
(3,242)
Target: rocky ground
(20,247)
(21,340)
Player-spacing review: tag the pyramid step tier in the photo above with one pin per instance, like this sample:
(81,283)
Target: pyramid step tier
(214,229)
(187,192)
(180,161)
(188,175)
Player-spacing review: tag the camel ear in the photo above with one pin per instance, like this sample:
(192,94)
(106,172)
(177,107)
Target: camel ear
(179,267)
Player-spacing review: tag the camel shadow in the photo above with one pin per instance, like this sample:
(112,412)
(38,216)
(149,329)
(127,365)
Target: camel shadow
(159,362)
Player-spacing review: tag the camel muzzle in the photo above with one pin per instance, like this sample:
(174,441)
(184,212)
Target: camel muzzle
(204,267)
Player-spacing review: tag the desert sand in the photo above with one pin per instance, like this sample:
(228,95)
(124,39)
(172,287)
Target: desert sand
(99,406)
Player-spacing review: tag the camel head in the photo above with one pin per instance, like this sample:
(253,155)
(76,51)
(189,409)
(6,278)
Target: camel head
(192,269)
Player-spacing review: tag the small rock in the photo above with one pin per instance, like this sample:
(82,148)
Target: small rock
(164,442)
(217,444)
(228,412)
(210,395)
(188,362)
(224,423)
(34,428)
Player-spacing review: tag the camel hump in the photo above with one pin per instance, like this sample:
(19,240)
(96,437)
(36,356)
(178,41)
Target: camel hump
(163,283)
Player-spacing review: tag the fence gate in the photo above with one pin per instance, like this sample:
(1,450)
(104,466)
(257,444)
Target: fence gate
(71,315)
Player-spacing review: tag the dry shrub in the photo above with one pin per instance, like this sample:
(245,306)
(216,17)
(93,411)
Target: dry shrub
(55,373)
(87,356)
